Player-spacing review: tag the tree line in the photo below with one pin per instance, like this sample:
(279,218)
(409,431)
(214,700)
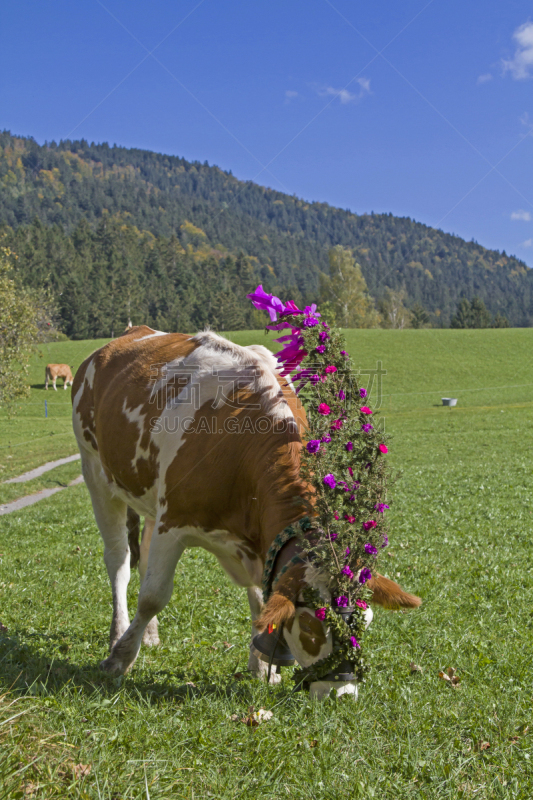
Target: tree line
(285,240)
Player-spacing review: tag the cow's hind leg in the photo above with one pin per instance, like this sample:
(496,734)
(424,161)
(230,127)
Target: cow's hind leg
(150,636)
(156,591)
(255,665)
(110,514)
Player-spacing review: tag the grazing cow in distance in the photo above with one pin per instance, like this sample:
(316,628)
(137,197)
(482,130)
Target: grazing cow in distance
(202,437)
(55,371)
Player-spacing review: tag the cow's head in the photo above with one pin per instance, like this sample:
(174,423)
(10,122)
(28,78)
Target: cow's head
(309,638)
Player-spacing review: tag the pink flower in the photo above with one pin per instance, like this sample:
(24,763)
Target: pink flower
(324,409)
(314,379)
(331,368)
(370,524)
(323,336)
(367,428)
(365,410)
(341,395)
(321,348)
(354,642)
(341,601)
(333,535)
(326,438)
(370,549)
(320,613)
(336,517)
(383,448)
(349,518)
(349,447)
(365,575)
(337,424)
(361,604)
(363,393)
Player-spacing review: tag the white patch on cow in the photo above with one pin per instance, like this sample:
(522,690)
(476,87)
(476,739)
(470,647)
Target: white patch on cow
(150,335)
(319,690)
(134,415)
(90,373)
(214,369)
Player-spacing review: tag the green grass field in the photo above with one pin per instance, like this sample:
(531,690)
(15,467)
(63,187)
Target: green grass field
(461,529)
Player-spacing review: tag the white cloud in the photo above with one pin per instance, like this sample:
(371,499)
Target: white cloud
(484,78)
(528,243)
(344,95)
(523,216)
(521,65)
(289,94)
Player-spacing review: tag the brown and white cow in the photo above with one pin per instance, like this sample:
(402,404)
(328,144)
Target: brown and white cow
(55,371)
(202,437)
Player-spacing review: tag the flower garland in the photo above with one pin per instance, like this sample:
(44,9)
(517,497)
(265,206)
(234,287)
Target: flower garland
(344,460)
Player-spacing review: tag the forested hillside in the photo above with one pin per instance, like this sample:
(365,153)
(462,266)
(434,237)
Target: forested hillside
(120,233)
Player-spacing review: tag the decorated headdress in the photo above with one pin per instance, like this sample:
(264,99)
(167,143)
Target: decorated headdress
(344,460)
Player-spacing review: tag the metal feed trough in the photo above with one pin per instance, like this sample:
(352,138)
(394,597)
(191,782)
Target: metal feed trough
(449,401)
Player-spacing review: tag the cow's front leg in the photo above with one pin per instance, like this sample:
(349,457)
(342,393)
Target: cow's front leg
(255,665)
(156,591)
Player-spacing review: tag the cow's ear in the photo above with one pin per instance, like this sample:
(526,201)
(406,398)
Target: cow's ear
(280,607)
(388,594)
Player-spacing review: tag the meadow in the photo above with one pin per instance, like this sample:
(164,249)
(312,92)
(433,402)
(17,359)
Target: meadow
(461,525)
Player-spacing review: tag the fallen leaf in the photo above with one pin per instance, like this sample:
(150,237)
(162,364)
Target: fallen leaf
(227,644)
(451,676)
(190,683)
(313,743)
(239,676)
(483,746)
(234,718)
(414,667)
(81,770)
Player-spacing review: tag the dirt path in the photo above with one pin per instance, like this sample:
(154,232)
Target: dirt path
(30,499)
(38,471)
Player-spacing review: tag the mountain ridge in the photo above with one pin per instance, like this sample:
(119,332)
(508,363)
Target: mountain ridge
(62,184)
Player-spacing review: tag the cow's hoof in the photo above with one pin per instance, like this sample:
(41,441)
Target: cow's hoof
(112,666)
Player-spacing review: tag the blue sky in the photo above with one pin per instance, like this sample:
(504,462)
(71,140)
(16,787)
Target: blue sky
(423,109)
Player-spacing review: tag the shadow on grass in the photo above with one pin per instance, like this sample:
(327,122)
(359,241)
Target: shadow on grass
(26,670)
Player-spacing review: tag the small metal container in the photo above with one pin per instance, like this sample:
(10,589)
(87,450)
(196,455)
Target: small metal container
(449,401)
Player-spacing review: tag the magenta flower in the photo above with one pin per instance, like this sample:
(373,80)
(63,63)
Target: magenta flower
(348,572)
(341,395)
(344,353)
(331,368)
(323,336)
(336,517)
(385,540)
(367,428)
(350,470)
(349,518)
(337,424)
(370,549)
(383,448)
(365,410)
(326,438)
(370,524)
(349,447)
(363,393)
(270,303)
(341,601)
(354,642)
(361,604)
(329,480)
(333,535)
(381,508)
(324,409)
(313,446)
(320,613)
(347,551)
(321,348)
(364,575)
(314,379)
(310,323)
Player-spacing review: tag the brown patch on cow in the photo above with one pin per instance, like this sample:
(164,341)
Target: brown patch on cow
(280,607)
(388,594)
(125,372)
(312,633)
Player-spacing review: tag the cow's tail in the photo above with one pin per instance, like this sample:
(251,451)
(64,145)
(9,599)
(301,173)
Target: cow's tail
(133,524)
